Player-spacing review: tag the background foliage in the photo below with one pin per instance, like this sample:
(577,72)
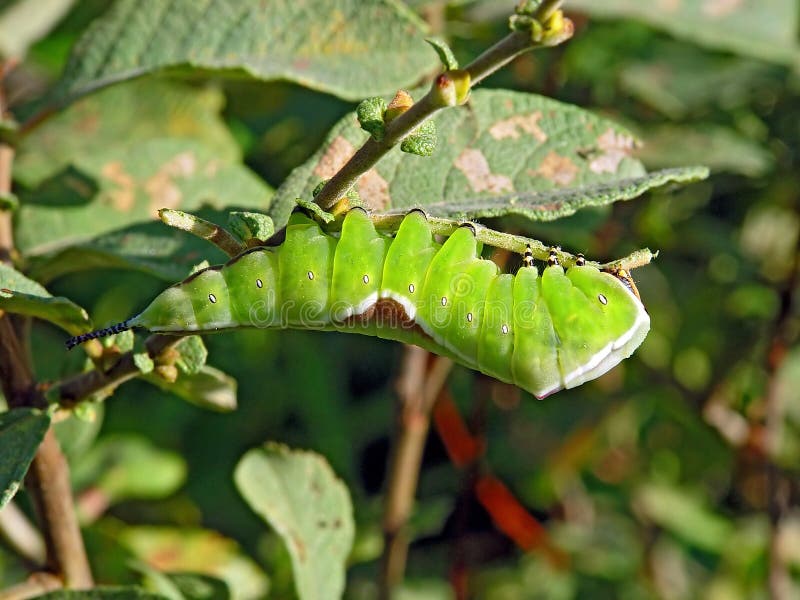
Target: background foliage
(663,479)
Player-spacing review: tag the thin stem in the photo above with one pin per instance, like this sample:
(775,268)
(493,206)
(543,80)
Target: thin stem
(418,386)
(513,243)
(511,46)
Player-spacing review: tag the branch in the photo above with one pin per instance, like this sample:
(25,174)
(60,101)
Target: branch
(487,63)
(71,392)
(48,477)
(418,386)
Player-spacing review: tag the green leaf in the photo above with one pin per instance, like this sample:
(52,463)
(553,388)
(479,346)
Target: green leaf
(298,494)
(122,116)
(444,52)
(766,29)
(152,248)
(197,551)
(103,593)
(123,467)
(720,148)
(350,48)
(193,354)
(251,226)
(25,21)
(133,183)
(208,388)
(687,517)
(21,432)
(509,152)
(184,586)
(21,295)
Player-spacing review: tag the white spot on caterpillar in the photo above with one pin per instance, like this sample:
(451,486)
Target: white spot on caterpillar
(212,298)
(259,283)
(444,301)
(603,299)
(365,279)
(310,275)
(469,317)
(504,329)
(410,288)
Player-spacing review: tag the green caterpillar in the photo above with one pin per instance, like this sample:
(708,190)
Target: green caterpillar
(542,332)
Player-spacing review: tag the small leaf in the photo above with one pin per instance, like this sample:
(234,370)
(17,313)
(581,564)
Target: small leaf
(197,551)
(209,388)
(143,362)
(21,432)
(8,201)
(422,141)
(316,210)
(445,53)
(300,497)
(370,115)
(251,226)
(21,295)
(103,593)
(351,48)
(127,466)
(193,354)
(183,586)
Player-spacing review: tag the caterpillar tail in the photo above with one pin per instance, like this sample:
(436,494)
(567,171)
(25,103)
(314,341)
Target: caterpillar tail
(98,333)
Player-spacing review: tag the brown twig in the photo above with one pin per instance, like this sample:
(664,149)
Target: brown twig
(48,478)
(19,534)
(36,585)
(74,390)
(418,386)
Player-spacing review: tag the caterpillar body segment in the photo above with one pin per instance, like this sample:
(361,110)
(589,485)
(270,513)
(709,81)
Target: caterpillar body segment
(541,330)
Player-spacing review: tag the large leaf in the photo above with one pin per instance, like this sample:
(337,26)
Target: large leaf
(298,494)
(103,593)
(21,432)
(21,295)
(765,29)
(152,248)
(119,117)
(507,152)
(351,48)
(133,183)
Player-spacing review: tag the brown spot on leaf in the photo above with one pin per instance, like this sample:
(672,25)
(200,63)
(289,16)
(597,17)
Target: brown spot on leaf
(334,158)
(473,164)
(510,128)
(374,190)
(161,187)
(614,147)
(298,543)
(558,169)
(720,8)
(123,196)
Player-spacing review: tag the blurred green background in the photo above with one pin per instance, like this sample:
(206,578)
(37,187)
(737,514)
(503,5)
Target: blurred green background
(658,480)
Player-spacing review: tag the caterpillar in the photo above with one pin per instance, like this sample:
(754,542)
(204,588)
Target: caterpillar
(542,331)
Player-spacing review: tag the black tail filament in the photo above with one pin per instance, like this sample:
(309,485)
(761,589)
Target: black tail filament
(98,333)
